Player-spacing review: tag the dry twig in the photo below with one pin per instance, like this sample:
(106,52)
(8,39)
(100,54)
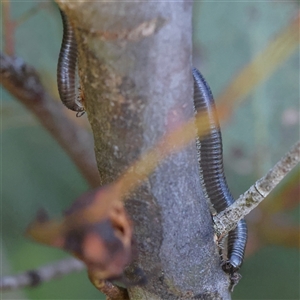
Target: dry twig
(40,275)
(227,219)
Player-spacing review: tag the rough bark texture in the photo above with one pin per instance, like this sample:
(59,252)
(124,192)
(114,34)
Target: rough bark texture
(135,67)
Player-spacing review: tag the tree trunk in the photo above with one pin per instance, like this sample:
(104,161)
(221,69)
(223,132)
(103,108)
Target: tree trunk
(135,70)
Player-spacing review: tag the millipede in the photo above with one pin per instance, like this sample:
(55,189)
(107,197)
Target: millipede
(66,68)
(213,181)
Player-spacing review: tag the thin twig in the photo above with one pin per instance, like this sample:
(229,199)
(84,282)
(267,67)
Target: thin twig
(226,220)
(41,275)
(56,270)
(23,82)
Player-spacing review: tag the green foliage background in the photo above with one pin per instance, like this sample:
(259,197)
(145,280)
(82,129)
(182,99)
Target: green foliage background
(37,173)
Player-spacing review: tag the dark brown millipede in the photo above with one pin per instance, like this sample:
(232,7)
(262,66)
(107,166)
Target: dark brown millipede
(213,181)
(66,68)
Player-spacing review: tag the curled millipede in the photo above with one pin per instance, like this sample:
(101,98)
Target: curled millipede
(210,155)
(66,68)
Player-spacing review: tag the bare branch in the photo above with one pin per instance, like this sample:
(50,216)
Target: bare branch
(56,270)
(40,275)
(23,82)
(227,219)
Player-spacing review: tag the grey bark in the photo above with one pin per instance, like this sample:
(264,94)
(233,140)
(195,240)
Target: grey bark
(135,68)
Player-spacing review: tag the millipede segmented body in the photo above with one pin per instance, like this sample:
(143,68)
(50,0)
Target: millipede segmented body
(66,69)
(237,240)
(210,155)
